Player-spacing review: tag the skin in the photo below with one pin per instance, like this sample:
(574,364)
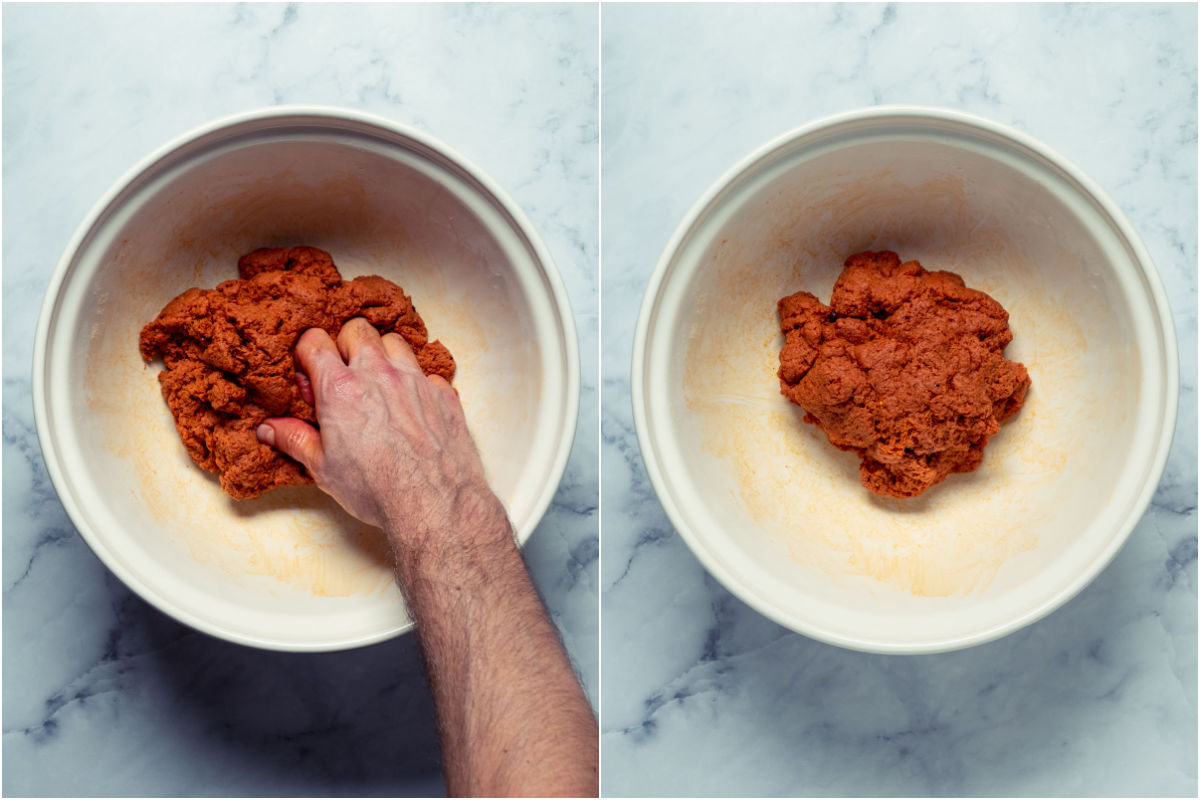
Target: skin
(394,450)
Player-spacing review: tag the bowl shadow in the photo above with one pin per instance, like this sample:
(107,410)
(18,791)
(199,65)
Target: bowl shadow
(354,722)
(921,720)
(866,724)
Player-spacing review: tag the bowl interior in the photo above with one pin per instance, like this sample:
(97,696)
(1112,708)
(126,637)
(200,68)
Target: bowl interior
(778,513)
(290,569)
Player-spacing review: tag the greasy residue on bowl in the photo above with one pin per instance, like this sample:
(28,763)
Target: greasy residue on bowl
(296,538)
(806,493)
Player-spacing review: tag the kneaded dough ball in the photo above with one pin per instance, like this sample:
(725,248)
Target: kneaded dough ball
(904,367)
(228,356)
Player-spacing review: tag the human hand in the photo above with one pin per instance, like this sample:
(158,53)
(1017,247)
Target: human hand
(394,450)
(393,446)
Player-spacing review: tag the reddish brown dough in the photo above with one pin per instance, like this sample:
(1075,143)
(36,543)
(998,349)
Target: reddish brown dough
(228,356)
(905,367)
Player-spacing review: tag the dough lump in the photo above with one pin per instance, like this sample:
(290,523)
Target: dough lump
(904,367)
(228,363)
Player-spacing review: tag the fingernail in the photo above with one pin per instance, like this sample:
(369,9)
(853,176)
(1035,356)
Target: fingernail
(265,434)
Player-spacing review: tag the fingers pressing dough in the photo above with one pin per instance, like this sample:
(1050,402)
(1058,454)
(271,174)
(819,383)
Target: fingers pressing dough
(228,356)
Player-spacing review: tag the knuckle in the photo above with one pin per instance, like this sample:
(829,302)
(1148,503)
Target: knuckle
(397,342)
(373,356)
(345,384)
(358,385)
(388,375)
(295,440)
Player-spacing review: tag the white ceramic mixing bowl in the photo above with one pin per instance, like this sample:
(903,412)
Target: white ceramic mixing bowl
(775,512)
(290,570)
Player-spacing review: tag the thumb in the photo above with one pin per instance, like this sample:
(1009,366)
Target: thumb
(294,437)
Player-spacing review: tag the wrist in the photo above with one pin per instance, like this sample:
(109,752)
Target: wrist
(468,539)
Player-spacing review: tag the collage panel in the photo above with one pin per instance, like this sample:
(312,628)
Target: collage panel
(181,618)
(803,593)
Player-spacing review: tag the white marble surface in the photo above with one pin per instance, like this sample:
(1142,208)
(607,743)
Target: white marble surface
(102,694)
(703,696)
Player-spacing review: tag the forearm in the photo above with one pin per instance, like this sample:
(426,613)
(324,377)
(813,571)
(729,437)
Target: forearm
(393,448)
(513,717)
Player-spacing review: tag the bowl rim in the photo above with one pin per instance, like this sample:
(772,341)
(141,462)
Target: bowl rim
(314,116)
(1156,296)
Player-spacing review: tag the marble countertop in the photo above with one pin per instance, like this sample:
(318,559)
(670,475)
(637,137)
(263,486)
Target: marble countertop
(103,695)
(701,694)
